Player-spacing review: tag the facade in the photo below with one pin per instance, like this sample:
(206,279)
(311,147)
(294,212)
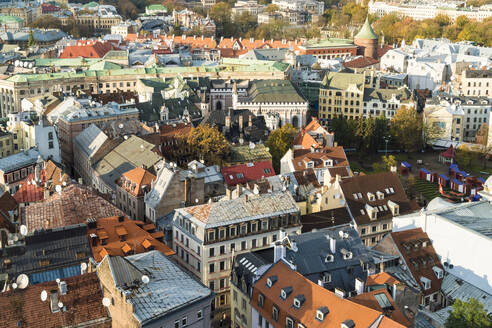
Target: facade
(15,168)
(205,237)
(7,144)
(125,28)
(130,191)
(173,188)
(446,118)
(137,284)
(249,6)
(329,48)
(278,99)
(386,101)
(312,6)
(374,200)
(476,83)
(421,11)
(26,11)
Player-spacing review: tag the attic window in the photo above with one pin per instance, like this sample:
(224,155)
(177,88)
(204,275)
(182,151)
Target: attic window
(438,272)
(326,277)
(355,196)
(261,300)
(370,196)
(321,313)
(271,281)
(299,300)
(392,190)
(285,292)
(329,258)
(380,195)
(267,171)
(426,282)
(362,212)
(239,175)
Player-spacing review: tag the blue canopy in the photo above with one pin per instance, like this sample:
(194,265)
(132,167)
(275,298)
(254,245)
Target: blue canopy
(453,166)
(444,177)
(425,171)
(457,181)
(482,180)
(406,164)
(476,197)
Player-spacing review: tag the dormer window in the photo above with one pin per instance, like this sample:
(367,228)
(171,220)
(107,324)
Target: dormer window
(261,300)
(380,195)
(310,164)
(321,313)
(347,255)
(298,301)
(326,277)
(438,272)
(370,196)
(425,282)
(349,323)
(371,212)
(328,162)
(285,292)
(329,258)
(271,281)
(394,207)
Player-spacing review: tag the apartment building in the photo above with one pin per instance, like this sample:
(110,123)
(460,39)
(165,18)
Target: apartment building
(446,119)
(207,236)
(374,200)
(7,144)
(476,83)
(130,191)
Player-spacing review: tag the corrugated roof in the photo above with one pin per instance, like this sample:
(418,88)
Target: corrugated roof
(454,288)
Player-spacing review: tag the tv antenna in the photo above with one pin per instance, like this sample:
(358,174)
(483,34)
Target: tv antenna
(145,279)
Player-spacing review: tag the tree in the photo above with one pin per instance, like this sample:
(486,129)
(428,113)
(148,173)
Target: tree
(278,142)
(482,138)
(464,157)
(406,128)
(469,314)
(271,8)
(30,39)
(385,165)
(209,143)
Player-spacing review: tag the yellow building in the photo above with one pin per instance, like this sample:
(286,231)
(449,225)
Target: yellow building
(6,144)
(341,94)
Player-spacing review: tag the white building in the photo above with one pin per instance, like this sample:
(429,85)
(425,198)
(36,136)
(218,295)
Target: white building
(421,11)
(311,6)
(461,236)
(247,6)
(425,74)
(125,28)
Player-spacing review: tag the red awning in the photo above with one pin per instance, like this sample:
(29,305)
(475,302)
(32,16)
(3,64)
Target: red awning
(449,153)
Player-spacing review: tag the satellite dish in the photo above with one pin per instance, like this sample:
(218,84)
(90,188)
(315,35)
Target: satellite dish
(106,301)
(121,125)
(197,200)
(64,183)
(14,285)
(16,63)
(44,295)
(57,280)
(22,281)
(60,304)
(16,238)
(145,279)
(83,267)
(23,230)
(58,188)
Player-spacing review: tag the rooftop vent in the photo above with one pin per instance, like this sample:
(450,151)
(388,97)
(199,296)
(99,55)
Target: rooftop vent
(321,313)
(271,281)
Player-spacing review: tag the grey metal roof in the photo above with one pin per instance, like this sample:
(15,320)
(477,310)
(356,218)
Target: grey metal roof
(169,287)
(19,160)
(476,216)
(455,288)
(90,140)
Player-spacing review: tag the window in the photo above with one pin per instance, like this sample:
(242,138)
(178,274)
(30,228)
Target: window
(176,324)
(222,250)
(253,226)
(211,285)
(222,233)
(211,252)
(253,243)
(234,296)
(222,265)
(232,231)
(50,135)
(211,267)
(289,323)
(199,314)
(233,246)
(261,300)
(184,321)
(265,241)
(363,231)
(244,229)
(374,228)
(211,235)
(243,245)
(275,313)
(222,283)
(243,305)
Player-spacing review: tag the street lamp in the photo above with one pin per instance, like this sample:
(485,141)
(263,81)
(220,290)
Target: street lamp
(386,140)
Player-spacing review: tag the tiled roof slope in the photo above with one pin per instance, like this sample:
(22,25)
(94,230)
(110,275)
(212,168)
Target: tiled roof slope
(124,237)
(316,297)
(87,50)
(242,208)
(7,204)
(420,259)
(83,303)
(277,91)
(318,156)
(387,183)
(243,173)
(134,180)
(74,205)
(171,288)
(341,81)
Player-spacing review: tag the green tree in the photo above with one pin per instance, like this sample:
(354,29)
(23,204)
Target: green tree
(406,128)
(482,138)
(464,157)
(221,14)
(209,143)
(279,142)
(30,39)
(469,314)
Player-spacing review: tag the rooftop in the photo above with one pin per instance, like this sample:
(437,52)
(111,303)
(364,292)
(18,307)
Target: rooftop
(74,205)
(249,154)
(319,158)
(171,288)
(274,91)
(242,173)
(120,236)
(325,219)
(342,81)
(82,305)
(19,160)
(135,181)
(366,32)
(242,209)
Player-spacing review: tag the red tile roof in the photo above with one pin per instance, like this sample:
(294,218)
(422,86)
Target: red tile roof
(87,49)
(316,297)
(251,44)
(305,140)
(174,130)
(318,156)
(420,259)
(360,62)
(382,50)
(74,205)
(122,238)
(133,181)
(243,173)
(83,303)
(380,279)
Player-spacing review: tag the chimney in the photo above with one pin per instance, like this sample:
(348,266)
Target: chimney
(238,191)
(359,286)
(250,120)
(393,294)
(333,244)
(279,251)
(241,123)
(228,194)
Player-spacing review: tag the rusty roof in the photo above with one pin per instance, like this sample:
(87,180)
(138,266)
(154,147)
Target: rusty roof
(123,237)
(83,303)
(318,155)
(133,181)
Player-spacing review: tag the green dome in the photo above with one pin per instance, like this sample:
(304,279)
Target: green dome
(366,32)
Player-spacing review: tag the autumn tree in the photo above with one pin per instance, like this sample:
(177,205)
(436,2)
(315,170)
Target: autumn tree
(271,8)
(469,314)
(406,128)
(209,143)
(279,142)
(30,39)
(482,138)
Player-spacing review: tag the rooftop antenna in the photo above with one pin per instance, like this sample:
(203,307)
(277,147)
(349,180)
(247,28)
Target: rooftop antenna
(44,295)
(23,230)
(83,268)
(22,281)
